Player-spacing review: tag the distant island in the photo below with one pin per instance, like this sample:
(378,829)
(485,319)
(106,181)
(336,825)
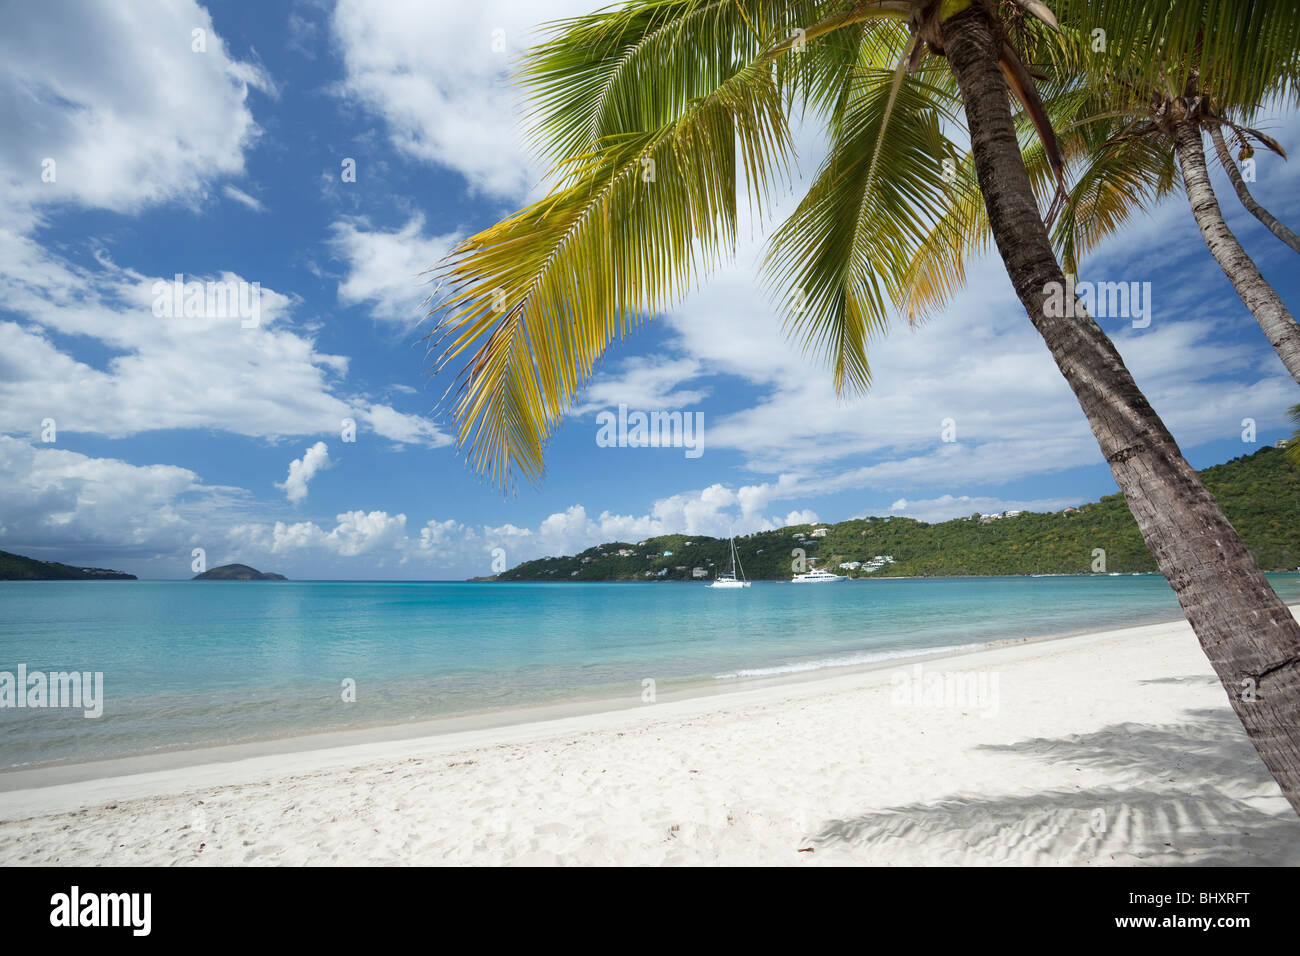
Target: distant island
(15,567)
(238,572)
(1260,493)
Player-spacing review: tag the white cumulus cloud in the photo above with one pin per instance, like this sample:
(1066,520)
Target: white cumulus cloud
(439,76)
(302,470)
(82,85)
(384,267)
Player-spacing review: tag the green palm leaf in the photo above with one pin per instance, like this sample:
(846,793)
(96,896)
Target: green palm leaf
(648,163)
(844,249)
(1110,187)
(1236,49)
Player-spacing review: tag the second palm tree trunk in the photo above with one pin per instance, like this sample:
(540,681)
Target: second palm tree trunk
(1248,634)
(1264,304)
(1279,229)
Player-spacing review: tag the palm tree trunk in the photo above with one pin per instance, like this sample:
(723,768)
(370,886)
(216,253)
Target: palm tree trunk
(1263,302)
(1278,229)
(1246,631)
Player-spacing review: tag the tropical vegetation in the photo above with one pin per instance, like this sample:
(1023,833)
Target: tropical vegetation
(1260,494)
(17,567)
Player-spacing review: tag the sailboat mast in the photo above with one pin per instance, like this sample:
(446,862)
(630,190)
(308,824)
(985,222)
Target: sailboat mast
(735,562)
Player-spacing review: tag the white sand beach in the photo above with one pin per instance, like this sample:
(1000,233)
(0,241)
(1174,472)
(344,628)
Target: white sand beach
(1114,748)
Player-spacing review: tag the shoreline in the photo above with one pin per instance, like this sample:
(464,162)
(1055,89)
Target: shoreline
(1112,747)
(494,727)
(126,755)
(71,771)
(1105,748)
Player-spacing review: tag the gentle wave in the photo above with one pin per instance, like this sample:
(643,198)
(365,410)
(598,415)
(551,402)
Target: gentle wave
(849,661)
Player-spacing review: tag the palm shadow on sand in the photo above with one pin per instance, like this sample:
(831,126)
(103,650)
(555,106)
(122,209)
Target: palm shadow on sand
(1194,792)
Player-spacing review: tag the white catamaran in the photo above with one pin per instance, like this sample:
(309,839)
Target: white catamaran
(735,578)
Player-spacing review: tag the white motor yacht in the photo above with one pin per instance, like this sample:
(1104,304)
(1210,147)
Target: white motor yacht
(816,576)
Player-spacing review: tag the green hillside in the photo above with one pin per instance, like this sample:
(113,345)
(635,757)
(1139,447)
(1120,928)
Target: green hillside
(1260,494)
(15,567)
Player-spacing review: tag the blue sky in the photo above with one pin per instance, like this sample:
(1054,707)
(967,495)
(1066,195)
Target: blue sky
(174,433)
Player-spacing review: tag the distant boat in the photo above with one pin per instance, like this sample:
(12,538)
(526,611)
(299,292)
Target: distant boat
(735,578)
(816,576)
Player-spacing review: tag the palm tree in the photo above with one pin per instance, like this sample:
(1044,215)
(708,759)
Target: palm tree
(1246,151)
(1182,117)
(1127,137)
(655,113)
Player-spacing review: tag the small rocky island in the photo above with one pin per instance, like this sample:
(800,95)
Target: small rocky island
(238,572)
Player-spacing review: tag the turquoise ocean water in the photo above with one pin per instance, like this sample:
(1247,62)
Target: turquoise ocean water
(190,664)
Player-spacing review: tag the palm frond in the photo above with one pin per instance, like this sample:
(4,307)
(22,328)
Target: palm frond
(633,68)
(542,293)
(1109,188)
(838,260)
(1235,50)
(937,269)
(653,115)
